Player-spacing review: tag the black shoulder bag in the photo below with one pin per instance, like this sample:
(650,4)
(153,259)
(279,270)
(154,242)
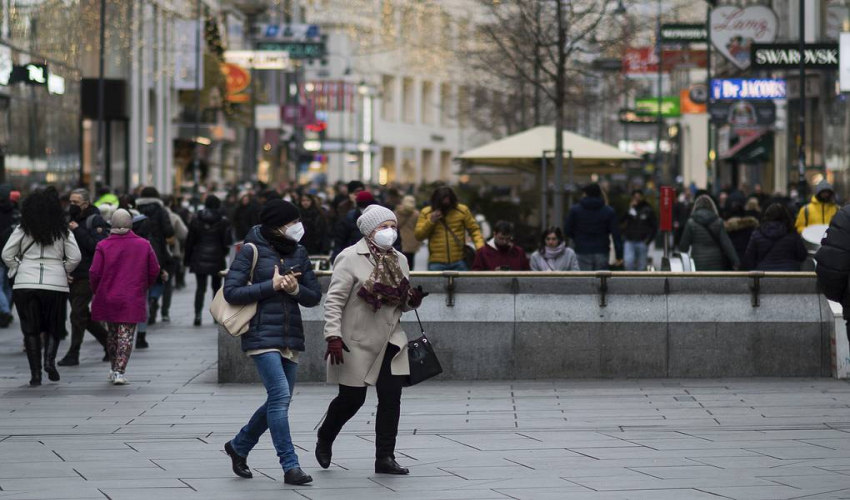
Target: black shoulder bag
(423,361)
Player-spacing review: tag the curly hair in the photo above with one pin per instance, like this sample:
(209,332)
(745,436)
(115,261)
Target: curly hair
(42,217)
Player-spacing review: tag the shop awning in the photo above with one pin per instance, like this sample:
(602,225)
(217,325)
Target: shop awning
(526,148)
(737,152)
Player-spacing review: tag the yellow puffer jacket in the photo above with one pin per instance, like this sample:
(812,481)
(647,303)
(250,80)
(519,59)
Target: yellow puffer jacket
(816,212)
(442,248)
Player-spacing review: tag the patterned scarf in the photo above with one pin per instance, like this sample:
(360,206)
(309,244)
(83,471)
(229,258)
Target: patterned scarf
(387,285)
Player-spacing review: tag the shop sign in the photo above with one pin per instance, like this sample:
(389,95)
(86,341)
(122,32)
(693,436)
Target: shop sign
(630,116)
(289,31)
(258,59)
(844,63)
(733,30)
(683,33)
(6,66)
(237,80)
(55,84)
(30,74)
(743,114)
(689,106)
(649,106)
(644,60)
(668,198)
(748,88)
(267,116)
(787,56)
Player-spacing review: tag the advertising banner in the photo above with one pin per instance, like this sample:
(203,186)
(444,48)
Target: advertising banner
(733,30)
(743,114)
(649,106)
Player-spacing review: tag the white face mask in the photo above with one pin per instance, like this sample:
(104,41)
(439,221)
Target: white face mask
(295,232)
(385,238)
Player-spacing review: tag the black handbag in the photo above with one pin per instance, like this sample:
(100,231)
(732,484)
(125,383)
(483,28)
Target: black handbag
(423,361)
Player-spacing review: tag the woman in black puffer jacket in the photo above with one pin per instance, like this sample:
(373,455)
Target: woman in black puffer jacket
(206,251)
(775,246)
(282,281)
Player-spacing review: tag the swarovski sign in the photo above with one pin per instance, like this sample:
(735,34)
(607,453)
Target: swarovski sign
(787,56)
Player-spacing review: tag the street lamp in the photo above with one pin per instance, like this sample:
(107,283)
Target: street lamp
(621,9)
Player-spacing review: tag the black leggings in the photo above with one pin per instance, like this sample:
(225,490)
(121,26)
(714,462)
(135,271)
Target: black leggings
(201,290)
(350,399)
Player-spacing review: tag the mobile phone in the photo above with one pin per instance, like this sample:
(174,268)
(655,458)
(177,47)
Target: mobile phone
(294,269)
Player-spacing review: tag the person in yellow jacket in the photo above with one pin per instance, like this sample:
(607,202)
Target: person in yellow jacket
(820,210)
(445,224)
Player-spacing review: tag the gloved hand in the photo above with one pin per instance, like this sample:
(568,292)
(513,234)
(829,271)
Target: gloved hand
(416,296)
(335,348)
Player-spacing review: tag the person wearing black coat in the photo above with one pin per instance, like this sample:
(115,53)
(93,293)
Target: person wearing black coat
(591,224)
(316,238)
(207,246)
(245,216)
(10,217)
(775,245)
(833,262)
(158,230)
(89,229)
(281,283)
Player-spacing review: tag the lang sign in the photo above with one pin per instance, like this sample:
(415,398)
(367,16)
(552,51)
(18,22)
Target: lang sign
(748,88)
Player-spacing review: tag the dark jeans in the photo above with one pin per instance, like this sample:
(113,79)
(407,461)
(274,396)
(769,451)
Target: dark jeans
(80,298)
(167,291)
(410,258)
(202,289)
(278,376)
(350,399)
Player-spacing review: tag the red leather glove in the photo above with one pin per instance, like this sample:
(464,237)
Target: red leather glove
(416,296)
(335,348)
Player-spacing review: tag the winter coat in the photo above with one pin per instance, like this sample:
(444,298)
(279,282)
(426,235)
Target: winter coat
(833,259)
(366,332)
(10,217)
(316,235)
(277,324)
(407,219)
(208,243)
(158,229)
(815,212)
(773,248)
(568,261)
(41,267)
(740,230)
(640,223)
(181,232)
(708,255)
(123,269)
(442,247)
(245,217)
(91,230)
(491,258)
(346,233)
(590,224)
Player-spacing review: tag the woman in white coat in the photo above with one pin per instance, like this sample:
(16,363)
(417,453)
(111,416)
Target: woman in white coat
(369,290)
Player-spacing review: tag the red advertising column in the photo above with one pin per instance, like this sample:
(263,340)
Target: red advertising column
(665,206)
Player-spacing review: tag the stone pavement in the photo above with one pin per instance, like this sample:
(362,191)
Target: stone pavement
(161,436)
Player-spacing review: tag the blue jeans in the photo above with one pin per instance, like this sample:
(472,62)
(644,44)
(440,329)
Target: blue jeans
(593,261)
(5,291)
(278,375)
(452,266)
(635,255)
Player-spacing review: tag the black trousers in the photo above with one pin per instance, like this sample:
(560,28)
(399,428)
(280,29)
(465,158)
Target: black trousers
(80,298)
(167,292)
(350,399)
(201,290)
(410,258)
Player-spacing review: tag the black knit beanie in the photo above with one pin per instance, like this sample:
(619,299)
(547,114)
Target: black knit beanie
(149,192)
(277,213)
(212,202)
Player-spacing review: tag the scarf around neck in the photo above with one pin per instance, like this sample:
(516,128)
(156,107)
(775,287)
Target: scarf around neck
(554,253)
(281,244)
(387,285)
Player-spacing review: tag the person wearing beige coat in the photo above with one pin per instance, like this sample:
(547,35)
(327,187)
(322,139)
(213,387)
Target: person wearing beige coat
(369,291)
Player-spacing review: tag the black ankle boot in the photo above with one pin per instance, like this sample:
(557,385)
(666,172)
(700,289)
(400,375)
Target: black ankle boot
(324,452)
(141,343)
(388,465)
(32,343)
(238,463)
(296,476)
(51,347)
(72,358)
(197,320)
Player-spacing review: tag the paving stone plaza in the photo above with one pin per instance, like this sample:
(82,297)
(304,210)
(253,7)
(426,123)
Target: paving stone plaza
(161,436)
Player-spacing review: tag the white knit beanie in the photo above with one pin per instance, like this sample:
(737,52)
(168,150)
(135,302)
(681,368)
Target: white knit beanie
(122,221)
(373,216)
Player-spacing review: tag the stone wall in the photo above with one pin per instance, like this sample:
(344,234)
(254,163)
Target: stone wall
(504,326)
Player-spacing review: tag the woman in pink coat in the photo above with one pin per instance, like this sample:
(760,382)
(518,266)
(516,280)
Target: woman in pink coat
(123,269)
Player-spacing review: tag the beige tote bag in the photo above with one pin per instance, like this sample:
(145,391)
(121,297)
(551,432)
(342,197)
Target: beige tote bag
(235,318)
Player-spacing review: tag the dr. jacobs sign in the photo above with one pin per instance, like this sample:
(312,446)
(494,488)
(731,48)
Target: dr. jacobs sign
(733,89)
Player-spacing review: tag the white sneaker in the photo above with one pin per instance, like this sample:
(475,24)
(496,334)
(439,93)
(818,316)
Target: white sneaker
(119,379)
(111,376)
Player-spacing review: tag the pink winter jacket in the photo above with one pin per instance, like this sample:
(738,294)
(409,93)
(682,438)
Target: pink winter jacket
(123,269)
